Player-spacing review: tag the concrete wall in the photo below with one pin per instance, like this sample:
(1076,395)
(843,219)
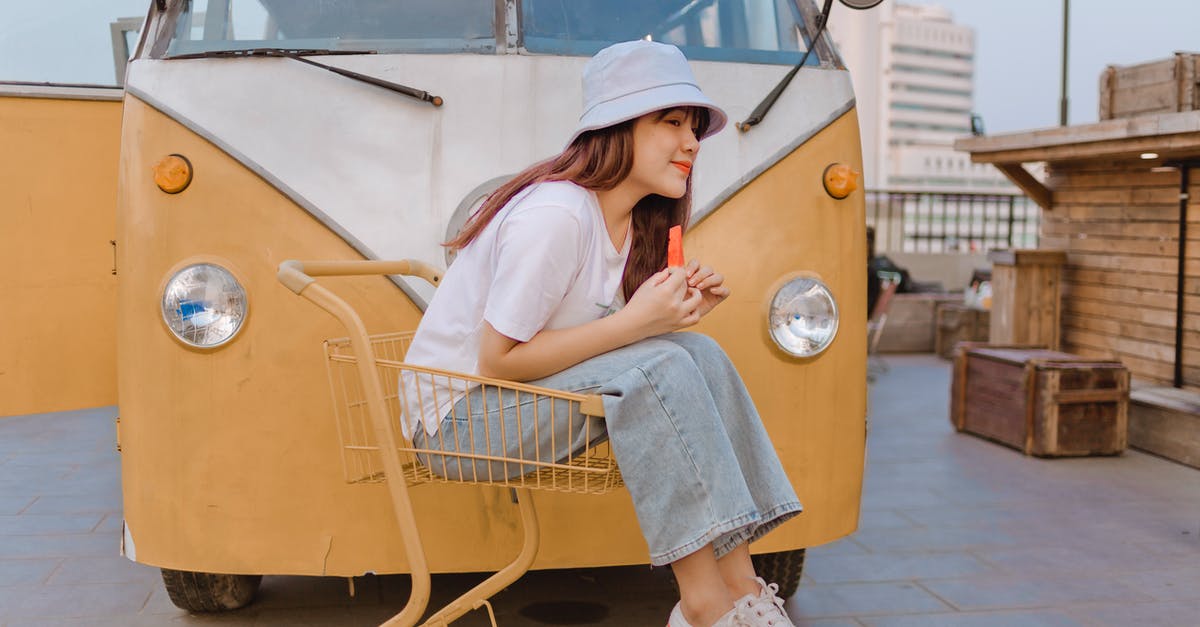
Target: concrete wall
(953,270)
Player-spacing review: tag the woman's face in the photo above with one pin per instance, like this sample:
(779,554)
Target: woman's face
(664,147)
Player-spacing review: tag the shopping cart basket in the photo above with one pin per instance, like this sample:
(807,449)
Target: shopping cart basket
(373,389)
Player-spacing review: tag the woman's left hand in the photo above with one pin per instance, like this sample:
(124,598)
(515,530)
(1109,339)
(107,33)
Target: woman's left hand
(709,282)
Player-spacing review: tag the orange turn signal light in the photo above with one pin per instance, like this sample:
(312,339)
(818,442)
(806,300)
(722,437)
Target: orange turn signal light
(173,173)
(840,180)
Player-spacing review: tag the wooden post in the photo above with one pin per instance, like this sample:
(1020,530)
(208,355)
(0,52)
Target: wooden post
(1108,85)
(1026,297)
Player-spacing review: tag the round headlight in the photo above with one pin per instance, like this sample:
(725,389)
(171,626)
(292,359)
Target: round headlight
(204,305)
(803,318)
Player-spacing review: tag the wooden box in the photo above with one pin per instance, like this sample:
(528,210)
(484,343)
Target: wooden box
(910,323)
(1040,401)
(1165,86)
(1027,297)
(958,323)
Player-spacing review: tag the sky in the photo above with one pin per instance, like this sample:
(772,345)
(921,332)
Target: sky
(1018,52)
(1018,47)
(61,41)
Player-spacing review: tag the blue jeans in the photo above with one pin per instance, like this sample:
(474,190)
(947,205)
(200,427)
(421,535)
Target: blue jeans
(691,447)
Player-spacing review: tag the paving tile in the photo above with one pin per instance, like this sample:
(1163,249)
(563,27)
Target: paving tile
(67,545)
(1050,618)
(47,524)
(67,461)
(1066,560)
(957,515)
(11,505)
(1180,614)
(114,522)
(116,569)
(1171,552)
(81,602)
(979,527)
(925,539)
(893,567)
(160,604)
(69,482)
(983,593)
(845,546)
(882,519)
(1177,584)
(59,433)
(93,487)
(892,499)
(975,496)
(76,504)
(861,599)
(1132,536)
(14,473)
(26,572)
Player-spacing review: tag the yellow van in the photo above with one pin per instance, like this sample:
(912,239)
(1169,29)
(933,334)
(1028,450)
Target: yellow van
(257,131)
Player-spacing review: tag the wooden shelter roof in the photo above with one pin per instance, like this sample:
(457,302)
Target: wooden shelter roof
(1173,136)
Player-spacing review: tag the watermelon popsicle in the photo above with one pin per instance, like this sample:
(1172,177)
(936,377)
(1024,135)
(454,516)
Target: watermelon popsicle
(675,247)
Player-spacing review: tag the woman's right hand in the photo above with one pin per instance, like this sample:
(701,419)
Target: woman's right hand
(664,303)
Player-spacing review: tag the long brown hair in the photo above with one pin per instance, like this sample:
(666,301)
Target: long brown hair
(599,160)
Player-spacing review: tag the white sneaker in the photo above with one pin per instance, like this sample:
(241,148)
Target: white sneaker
(732,618)
(764,609)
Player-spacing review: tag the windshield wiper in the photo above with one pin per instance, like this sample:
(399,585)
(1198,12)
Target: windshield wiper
(298,54)
(264,52)
(763,107)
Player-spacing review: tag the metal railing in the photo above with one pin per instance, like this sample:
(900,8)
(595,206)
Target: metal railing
(935,222)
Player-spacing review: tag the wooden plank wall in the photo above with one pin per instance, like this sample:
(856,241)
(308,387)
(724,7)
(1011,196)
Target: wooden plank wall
(1119,223)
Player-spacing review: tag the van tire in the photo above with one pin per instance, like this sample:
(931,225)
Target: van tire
(784,568)
(209,592)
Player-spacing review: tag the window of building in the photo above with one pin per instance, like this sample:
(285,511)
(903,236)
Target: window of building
(930,52)
(929,70)
(923,89)
(912,106)
(904,124)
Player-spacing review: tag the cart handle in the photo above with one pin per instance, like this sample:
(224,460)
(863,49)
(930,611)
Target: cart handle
(297,275)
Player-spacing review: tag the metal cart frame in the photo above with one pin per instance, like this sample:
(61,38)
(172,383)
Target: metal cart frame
(371,394)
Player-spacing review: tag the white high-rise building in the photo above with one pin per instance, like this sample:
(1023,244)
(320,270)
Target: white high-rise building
(913,70)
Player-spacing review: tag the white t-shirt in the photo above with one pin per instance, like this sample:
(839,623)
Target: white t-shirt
(545,261)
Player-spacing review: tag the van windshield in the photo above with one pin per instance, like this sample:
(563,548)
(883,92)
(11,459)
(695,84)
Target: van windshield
(377,25)
(749,31)
(754,31)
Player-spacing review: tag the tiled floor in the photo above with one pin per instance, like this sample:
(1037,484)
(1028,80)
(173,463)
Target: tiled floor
(955,532)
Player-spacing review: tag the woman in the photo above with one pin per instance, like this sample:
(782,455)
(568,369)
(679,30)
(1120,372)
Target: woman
(559,281)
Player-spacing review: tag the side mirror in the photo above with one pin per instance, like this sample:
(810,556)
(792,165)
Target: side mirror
(861,4)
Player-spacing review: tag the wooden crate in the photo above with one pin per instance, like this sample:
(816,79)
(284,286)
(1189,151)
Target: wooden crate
(1042,402)
(910,323)
(1026,297)
(1165,86)
(958,323)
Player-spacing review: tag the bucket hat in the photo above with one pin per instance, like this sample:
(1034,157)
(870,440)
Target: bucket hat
(630,79)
